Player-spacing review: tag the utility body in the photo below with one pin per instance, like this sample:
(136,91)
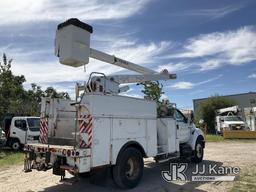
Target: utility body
(103,128)
(20,130)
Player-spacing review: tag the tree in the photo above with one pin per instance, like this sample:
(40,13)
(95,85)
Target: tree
(15,99)
(207,110)
(51,92)
(32,100)
(153,90)
(11,89)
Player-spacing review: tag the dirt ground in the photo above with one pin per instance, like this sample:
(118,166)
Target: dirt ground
(227,153)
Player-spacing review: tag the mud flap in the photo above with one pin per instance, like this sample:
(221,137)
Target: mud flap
(56,170)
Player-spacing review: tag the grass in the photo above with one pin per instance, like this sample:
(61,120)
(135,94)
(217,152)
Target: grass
(246,181)
(9,158)
(218,138)
(214,138)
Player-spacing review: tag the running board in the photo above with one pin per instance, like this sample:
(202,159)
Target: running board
(166,157)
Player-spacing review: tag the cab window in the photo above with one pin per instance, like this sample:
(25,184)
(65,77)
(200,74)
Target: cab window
(180,117)
(21,124)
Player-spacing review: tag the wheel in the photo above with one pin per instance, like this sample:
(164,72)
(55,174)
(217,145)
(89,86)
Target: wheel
(128,170)
(15,144)
(198,152)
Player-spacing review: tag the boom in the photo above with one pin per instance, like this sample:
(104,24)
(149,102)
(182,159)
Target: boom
(111,59)
(72,46)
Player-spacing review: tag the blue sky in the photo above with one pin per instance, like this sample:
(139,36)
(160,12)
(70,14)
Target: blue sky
(211,45)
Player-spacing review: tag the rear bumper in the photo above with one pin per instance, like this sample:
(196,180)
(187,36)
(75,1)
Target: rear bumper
(44,157)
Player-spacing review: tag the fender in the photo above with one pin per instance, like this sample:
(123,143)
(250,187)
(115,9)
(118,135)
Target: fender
(133,144)
(196,133)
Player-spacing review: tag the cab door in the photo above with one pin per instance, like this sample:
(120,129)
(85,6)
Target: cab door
(183,130)
(19,130)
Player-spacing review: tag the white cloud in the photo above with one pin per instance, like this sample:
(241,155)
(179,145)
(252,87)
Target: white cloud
(190,85)
(183,85)
(131,93)
(164,96)
(209,80)
(172,67)
(252,76)
(217,49)
(213,13)
(25,11)
(141,53)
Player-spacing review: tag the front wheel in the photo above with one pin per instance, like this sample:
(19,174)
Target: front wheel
(15,144)
(198,152)
(128,170)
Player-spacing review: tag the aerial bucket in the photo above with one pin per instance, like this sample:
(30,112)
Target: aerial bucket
(72,43)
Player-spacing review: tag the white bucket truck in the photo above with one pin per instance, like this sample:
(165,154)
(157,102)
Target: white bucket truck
(250,117)
(103,128)
(228,119)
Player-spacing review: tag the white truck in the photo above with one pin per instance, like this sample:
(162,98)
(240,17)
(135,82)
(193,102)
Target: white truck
(229,119)
(250,117)
(20,130)
(103,128)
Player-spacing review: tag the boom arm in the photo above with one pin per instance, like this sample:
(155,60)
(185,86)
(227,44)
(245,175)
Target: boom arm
(121,79)
(111,59)
(72,46)
(233,109)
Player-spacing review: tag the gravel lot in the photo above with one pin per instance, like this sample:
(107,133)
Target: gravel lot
(227,153)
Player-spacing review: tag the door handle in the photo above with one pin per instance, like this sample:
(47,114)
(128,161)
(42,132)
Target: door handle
(177,126)
(14,133)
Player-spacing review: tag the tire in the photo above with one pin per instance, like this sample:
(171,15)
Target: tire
(128,170)
(84,175)
(198,152)
(15,144)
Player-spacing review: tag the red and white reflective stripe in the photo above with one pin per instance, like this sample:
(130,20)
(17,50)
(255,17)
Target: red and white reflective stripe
(85,126)
(43,130)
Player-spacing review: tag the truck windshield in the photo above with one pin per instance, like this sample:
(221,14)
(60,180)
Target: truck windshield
(233,118)
(33,124)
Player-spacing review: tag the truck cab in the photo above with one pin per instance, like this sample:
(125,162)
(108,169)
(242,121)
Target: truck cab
(20,130)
